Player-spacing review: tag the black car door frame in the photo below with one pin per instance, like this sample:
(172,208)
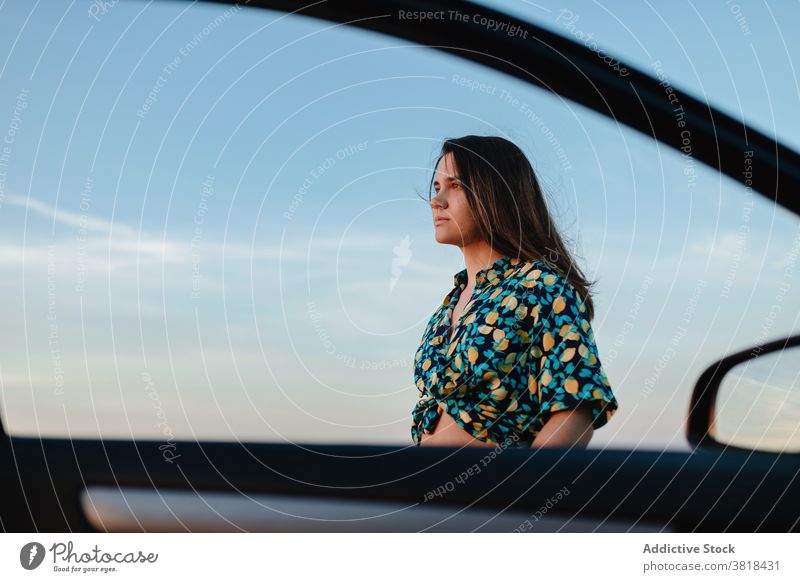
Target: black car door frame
(719,490)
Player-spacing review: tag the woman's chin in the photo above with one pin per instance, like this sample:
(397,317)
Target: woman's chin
(443,233)
(443,238)
(447,238)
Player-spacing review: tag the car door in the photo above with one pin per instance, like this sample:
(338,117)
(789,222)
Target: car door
(218,272)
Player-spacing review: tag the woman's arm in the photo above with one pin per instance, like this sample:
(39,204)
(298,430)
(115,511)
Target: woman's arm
(566,428)
(449,433)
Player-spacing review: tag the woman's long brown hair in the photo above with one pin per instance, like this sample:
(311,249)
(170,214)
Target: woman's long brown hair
(509,207)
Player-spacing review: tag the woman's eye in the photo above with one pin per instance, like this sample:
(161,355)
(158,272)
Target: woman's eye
(456,184)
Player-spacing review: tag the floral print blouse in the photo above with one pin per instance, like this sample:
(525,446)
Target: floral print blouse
(522,349)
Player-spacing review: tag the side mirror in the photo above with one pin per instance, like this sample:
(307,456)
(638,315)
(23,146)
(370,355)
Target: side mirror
(749,401)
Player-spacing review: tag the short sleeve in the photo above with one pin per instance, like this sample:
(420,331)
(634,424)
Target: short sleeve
(564,364)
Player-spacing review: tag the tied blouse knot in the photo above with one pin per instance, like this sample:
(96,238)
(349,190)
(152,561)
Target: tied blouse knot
(522,350)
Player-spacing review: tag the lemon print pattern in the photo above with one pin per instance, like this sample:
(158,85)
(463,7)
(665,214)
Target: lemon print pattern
(523,348)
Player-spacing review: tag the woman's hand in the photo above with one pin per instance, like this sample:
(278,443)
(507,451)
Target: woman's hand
(566,428)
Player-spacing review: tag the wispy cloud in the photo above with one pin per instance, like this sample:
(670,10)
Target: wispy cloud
(86,221)
(125,245)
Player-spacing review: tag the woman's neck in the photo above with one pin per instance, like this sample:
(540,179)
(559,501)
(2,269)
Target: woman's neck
(478,256)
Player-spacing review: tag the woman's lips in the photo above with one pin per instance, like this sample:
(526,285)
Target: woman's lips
(439,221)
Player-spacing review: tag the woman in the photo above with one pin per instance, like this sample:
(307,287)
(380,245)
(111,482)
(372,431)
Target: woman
(509,356)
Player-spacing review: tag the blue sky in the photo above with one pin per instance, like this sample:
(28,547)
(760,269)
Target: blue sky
(209,224)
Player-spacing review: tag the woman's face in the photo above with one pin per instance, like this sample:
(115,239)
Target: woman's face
(452,217)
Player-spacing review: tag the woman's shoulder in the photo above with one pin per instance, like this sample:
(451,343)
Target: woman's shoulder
(542,284)
(538,277)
